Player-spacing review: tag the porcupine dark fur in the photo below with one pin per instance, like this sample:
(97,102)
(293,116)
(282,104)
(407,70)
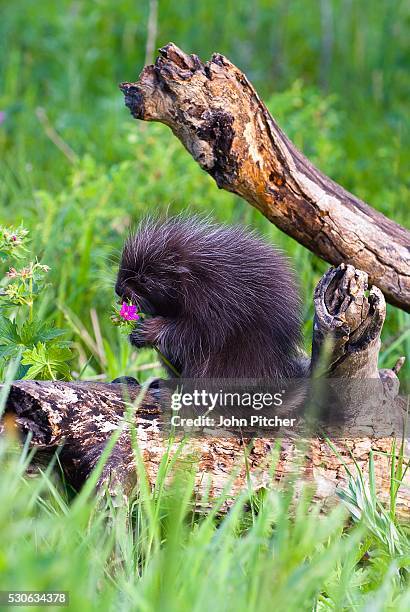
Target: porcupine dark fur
(222,302)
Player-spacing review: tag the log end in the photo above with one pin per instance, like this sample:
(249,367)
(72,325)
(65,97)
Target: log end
(351,315)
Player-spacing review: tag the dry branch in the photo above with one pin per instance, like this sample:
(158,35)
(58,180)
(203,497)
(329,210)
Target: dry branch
(218,116)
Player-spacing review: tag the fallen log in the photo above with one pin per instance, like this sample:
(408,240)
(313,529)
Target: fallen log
(220,119)
(80,417)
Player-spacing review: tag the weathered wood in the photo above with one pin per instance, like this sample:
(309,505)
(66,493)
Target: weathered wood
(80,417)
(351,319)
(83,416)
(218,116)
(350,315)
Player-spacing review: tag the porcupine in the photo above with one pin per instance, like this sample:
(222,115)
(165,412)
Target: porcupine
(221,302)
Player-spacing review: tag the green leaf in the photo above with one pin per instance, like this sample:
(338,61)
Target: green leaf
(47,362)
(32,332)
(9,333)
(9,350)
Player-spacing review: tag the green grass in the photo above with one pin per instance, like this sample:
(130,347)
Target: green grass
(335,77)
(161,552)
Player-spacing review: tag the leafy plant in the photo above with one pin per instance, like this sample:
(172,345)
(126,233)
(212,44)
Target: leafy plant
(22,334)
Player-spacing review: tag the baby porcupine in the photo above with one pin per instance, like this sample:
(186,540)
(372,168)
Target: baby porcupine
(222,302)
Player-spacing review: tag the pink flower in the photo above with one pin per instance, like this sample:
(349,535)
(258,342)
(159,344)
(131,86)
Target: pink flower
(2,116)
(129,312)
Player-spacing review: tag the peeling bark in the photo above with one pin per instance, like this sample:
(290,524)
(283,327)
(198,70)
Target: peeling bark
(220,119)
(80,418)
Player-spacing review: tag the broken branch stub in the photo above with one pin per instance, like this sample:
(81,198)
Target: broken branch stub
(351,317)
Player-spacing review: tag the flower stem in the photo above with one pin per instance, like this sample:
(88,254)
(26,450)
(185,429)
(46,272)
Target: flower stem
(31,299)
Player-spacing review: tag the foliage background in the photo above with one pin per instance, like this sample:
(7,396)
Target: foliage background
(78,172)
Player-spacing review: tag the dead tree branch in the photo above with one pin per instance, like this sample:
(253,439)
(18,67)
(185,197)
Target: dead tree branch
(220,119)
